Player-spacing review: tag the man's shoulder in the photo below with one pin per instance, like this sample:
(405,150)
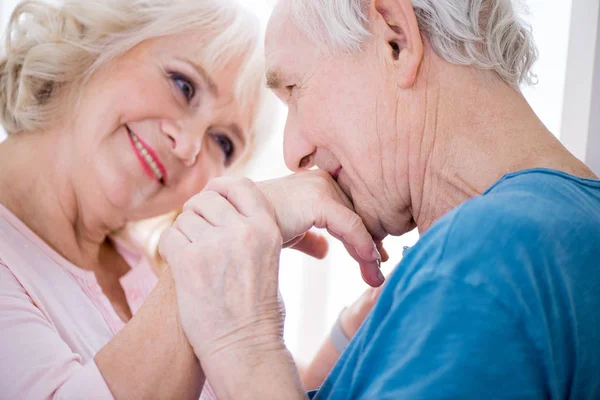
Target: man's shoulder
(539,207)
(509,238)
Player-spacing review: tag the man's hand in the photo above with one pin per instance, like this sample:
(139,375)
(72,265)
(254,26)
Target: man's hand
(313,199)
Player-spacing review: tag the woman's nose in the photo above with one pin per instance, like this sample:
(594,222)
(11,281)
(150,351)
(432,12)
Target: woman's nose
(298,153)
(185,145)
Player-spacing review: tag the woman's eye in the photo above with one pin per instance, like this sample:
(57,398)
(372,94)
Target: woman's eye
(186,86)
(226,146)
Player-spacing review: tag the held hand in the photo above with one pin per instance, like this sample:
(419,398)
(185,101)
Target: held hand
(224,254)
(312,198)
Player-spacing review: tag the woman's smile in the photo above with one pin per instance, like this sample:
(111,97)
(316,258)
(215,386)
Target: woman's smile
(148,158)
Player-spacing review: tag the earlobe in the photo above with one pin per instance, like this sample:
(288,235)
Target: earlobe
(402,36)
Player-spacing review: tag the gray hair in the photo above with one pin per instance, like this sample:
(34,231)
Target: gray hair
(487,34)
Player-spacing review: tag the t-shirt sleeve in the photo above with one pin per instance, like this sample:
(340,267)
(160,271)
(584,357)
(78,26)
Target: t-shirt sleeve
(35,363)
(442,339)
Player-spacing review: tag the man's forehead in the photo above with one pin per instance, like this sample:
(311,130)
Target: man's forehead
(281,42)
(280,25)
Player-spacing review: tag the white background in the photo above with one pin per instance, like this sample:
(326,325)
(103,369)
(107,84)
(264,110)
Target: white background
(315,291)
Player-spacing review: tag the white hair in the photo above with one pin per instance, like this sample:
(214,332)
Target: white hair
(59,44)
(487,34)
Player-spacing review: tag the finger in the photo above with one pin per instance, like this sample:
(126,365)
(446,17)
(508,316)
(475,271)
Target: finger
(369,270)
(192,225)
(243,194)
(213,207)
(171,242)
(384,254)
(348,227)
(313,244)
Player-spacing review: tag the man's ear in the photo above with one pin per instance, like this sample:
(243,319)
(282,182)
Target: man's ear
(399,35)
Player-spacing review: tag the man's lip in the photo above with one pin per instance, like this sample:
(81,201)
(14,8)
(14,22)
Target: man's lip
(152,154)
(335,174)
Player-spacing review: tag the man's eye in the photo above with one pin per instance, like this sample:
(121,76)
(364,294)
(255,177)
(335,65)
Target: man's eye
(185,85)
(226,145)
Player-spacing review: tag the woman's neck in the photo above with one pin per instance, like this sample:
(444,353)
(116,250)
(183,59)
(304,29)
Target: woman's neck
(35,185)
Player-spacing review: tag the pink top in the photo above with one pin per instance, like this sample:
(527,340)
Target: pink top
(54,317)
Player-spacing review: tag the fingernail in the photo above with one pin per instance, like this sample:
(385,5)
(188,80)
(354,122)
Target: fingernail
(380,276)
(376,254)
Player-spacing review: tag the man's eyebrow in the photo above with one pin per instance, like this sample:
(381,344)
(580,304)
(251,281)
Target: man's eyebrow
(274,79)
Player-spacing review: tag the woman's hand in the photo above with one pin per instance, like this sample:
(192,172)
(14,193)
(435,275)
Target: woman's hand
(224,255)
(224,250)
(313,199)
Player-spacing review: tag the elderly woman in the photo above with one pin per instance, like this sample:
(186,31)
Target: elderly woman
(116,111)
(412,112)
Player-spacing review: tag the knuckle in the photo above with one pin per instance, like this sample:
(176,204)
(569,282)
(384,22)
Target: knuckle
(255,236)
(323,180)
(246,232)
(219,180)
(239,182)
(322,174)
(245,182)
(190,202)
(354,222)
(197,200)
(182,219)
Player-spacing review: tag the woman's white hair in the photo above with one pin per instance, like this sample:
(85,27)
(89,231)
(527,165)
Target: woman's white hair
(56,45)
(487,34)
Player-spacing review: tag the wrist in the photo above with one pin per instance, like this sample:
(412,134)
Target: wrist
(254,372)
(338,336)
(348,323)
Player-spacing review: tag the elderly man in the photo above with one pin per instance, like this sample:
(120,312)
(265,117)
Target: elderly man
(413,110)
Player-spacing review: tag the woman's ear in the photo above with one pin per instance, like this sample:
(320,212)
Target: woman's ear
(399,35)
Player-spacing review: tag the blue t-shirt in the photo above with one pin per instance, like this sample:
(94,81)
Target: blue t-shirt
(500,298)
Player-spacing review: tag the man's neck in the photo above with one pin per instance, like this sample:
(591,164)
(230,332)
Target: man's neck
(481,132)
(35,186)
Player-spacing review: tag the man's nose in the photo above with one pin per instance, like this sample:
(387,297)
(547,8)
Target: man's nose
(298,153)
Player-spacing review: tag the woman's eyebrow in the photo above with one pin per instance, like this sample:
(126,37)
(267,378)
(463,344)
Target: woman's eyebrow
(212,86)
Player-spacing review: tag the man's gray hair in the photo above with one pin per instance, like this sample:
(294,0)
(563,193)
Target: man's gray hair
(487,34)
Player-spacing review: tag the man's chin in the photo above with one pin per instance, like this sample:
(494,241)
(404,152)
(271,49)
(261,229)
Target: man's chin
(399,228)
(372,223)
(375,228)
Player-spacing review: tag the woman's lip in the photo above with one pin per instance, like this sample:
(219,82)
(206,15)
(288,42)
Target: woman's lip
(152,154)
